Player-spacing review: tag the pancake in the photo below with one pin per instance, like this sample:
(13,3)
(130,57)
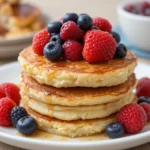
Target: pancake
(76,74)
(75,96)
(70,128)
(24,15)
(70,113)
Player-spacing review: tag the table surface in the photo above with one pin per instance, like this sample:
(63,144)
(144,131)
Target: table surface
(57,8)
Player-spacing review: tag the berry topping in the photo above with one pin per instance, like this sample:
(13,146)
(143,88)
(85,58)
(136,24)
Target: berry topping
(102,23)
(143,6)
(121,51)
(17,113)
(129,8)
(26,125)
(116,36)
(146,107)
(114,130)
(70,17)
(56,38)
(72,50)
(95,28)
(53,51)
(11,91)
(6,105)
(143,87)
(147,12)
(54,27)
(144,99)
(70,30)
(132,117)
(85,22)
(39,41)
(99,46)
(1,93)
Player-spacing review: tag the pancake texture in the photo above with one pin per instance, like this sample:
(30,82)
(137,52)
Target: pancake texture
(78,112)
(70,128)
(76,96)
(77,74)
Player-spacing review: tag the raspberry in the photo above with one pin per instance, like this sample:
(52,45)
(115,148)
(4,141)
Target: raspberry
(102,23)
(72,50)
(143,87)
(146,107)
(17,113)
(70,30)
(132,117)
(6,105)
(11,91)
(99,46)
(2,93)
(39,41)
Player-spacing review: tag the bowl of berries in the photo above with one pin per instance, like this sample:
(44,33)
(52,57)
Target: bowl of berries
(134,19)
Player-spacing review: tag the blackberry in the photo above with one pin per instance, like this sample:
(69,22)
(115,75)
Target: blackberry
(17,113)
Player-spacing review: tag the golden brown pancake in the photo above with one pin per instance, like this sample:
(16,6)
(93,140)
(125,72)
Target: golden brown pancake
(77,74)
(70,113)
(75,96)
(70,128)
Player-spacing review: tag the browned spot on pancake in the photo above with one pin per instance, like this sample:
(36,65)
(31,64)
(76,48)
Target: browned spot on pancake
(78,92)
(24,10)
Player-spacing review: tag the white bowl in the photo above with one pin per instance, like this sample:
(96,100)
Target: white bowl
(10,48)
(135,27)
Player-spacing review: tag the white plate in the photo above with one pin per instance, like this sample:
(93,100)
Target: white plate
(10,73)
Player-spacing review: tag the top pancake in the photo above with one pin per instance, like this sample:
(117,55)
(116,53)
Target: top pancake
(77,74)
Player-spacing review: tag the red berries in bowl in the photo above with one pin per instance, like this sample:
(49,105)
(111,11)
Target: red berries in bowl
(142,8)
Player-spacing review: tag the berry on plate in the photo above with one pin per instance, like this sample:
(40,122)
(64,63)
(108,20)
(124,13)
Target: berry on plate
(56,38)
(6,105)
(144,99)
(116,36)
(26,125)
(85,22)
(146,107)
(70,30)
(40,39)
(70,17)
(143,87)
(54,27)
(11,91)
(132,117)
(114,130)
(1,93)
(17,113)
(121,51)
(102,23)
(53,51)
(72,50)
(99,46)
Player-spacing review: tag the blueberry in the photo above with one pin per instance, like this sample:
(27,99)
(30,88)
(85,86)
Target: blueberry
(70,17)
(116,36)
(56,38)
(17,113)
(95,28)
(144,99)
(121,51)
(114,130)
(54,27)
(85,22)
(53,51)
(26,125)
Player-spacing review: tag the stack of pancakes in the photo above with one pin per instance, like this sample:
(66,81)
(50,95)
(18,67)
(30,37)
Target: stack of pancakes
(75,98)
